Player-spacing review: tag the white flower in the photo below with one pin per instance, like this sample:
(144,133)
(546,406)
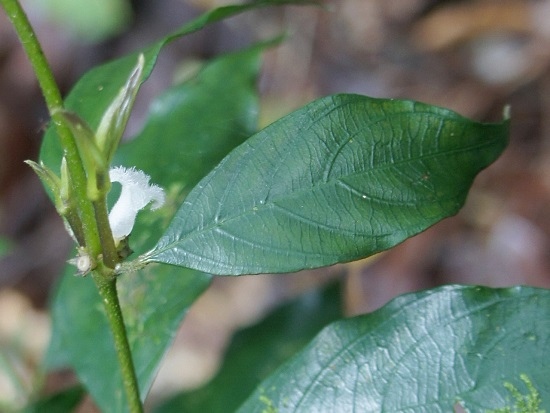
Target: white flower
(136,193)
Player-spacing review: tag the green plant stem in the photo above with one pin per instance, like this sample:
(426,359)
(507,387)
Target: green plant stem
(110,255)
(54,102)
(93,215)
(108,293)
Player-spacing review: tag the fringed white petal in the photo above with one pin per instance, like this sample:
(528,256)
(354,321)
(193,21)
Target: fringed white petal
(136,193)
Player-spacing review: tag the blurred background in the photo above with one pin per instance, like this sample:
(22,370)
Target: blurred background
(472,56)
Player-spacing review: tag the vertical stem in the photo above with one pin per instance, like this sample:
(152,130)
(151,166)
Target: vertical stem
(108,293)
(110,255)
(54,102)
(95,225)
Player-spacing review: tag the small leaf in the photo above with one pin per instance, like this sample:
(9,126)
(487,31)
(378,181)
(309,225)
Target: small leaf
(60,189)
(340,179)
(422,353)
(50,181)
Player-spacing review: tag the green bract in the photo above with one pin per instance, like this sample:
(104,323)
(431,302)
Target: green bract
(112,125)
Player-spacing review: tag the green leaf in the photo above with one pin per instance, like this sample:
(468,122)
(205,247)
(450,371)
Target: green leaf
(93,94)
(256,351)
(202,120)
(62,402)
(422,353)
(155,299)
(154,302)
(50,181)
(340,179)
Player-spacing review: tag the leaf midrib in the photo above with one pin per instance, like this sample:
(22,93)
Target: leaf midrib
(257,208)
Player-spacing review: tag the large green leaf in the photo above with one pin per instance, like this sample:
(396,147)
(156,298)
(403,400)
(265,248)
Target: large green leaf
(258,350)
(176,153)
(337,180)
(422,353)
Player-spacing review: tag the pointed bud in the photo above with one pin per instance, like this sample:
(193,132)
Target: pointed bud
(113,123)
(49,179)
(61,191)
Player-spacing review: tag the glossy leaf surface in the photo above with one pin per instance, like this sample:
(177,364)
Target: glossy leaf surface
(258,350)
(340,179)
(155,299)
(204,119)
(422,353)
